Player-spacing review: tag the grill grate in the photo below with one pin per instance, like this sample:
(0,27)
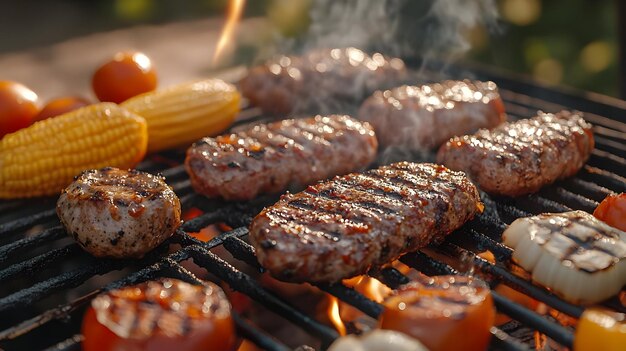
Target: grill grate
(37,267)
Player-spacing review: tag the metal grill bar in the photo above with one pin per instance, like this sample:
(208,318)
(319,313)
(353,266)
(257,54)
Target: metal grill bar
(21,245)
(35,264)
(530,318)
(553,330)
(587,189)
(503,341)
(244,283)
(69,344)
(516,282)
(604,174)
(23,223)
(570,199)
(604,178)
(261,339)
(45,317)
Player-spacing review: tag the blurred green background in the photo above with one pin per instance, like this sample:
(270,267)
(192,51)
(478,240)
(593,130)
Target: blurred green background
(570,42)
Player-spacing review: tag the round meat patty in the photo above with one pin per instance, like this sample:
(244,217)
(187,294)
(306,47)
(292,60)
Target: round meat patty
(117,213)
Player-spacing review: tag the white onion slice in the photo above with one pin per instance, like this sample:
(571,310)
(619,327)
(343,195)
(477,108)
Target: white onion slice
(378,340)
(577,256)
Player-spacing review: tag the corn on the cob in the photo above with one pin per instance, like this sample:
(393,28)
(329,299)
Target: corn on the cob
(43,158)
(182,114)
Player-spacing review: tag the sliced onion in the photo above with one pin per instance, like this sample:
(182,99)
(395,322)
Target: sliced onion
(378,340)
(541,245)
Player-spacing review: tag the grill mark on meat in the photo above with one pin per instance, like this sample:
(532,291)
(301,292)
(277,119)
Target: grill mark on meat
(347,209)
(119,213)
(301,137)
(269,158)
(315,130)
(335,230)
(266,136)
(311,217)
(322,206)
(370,190)
(369,202)
(520,157)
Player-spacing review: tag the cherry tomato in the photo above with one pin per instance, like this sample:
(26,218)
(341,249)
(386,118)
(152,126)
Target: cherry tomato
(126,75)
(160,315)
(18,106)
(444,313)
(60,106)
(612,211)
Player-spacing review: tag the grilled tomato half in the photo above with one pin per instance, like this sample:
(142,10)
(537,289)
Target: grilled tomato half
(128,74)
(444,313)
(612,211)
(160,315)
(18,107)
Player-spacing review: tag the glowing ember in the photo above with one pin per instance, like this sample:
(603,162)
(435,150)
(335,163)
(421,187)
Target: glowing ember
(248,346)
(234,14)
(541,341)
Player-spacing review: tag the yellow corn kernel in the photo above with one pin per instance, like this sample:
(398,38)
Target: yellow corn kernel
(182,114)
(43,158)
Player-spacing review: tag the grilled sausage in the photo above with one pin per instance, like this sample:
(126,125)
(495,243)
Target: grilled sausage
(424,117)
(340,228)
(116,213)
(268,158)
(313,82)
(521,157)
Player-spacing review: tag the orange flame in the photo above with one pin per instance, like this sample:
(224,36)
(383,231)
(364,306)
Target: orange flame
(234,14)
(339,313)
(335,317)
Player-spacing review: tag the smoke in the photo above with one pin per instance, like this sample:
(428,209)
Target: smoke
(421,29)
(404,28)
(426,29)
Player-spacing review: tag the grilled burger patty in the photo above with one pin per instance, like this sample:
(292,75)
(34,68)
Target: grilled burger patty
(424,117)
(268,158)
(340,228)
(289,84)
(116,213)
(521,157)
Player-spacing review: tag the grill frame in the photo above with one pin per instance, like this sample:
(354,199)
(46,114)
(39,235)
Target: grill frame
(606,172)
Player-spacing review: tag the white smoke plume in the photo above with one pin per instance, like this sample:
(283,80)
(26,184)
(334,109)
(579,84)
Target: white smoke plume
(425,28)
(422,29)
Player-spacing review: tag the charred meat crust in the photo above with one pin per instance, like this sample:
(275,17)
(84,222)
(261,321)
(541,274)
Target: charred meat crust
(423,117)
(340,228)
(117,213)
(268,158)
(520,157)
(291,84)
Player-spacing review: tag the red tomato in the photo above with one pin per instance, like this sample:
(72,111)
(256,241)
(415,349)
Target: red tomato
(612,211)
(60,106)
(444,313)
(126,75)
(160,315)
(18,106)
